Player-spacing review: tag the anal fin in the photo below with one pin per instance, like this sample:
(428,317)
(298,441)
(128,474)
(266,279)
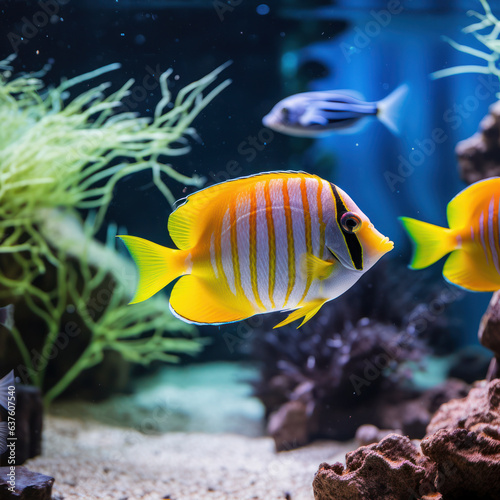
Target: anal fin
(195,300)
(307,311)
(463,270)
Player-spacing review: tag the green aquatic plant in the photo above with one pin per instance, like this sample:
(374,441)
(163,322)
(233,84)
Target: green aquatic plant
(63,154)
(490,40)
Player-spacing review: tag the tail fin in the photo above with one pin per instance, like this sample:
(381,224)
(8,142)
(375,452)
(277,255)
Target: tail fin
(430,242)
(389,109)
(158,265)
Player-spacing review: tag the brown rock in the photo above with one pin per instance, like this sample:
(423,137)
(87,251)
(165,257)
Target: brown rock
(489,329)
(288,426)
(21,483)
(479,156)
(472,461)
(392,469)
(481,406)
(489,333)
(459,458)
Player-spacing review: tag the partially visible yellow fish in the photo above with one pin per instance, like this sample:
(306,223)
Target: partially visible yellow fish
(473,238)
(270,242)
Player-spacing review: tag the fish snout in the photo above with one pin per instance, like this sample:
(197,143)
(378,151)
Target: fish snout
(266,121)
(385,245)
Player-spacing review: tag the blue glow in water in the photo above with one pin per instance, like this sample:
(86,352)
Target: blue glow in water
(263,9)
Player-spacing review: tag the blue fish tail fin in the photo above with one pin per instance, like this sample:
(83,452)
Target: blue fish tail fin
(389,109)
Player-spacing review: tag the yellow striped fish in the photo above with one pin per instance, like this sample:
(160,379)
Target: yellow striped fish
(473,238)
(276,241)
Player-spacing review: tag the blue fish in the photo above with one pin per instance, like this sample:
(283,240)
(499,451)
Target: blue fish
(5,383)
(315,114)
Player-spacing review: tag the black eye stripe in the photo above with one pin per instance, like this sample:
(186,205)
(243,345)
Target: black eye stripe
(352,241)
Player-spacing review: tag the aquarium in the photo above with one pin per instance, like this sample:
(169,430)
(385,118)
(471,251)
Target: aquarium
(250,250)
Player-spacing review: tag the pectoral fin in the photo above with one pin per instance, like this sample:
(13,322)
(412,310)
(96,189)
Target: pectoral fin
(307,311)
(316,268)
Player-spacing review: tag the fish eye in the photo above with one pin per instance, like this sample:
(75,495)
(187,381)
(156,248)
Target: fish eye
(350,222)
(285,112)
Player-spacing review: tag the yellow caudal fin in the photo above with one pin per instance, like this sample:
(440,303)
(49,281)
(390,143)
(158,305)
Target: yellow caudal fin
(196,300)
(463,270)
(157,265)
(307,311)
(430,242)
(316,268)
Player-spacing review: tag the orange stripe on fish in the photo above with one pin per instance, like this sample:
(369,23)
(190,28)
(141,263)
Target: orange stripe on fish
(234,250)
(307,221)
(218,252)
(289,238)
(494,232)
(322,225)
(272,242)
(253,248)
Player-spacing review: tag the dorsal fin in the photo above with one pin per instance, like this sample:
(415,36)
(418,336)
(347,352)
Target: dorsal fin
(187,223)
(465,203)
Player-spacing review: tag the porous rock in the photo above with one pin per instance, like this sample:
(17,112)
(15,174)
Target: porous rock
(464,439)
(391,469)
(479,155)
(480,407)
(470,460)
(489,334)
(28,485)
(459,459)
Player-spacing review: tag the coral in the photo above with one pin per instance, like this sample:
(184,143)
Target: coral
(350,366)
(459,459)
(62,155)
(489,40)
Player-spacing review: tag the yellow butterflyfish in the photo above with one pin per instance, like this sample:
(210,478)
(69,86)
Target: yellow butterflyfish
(473,238)
(278,241)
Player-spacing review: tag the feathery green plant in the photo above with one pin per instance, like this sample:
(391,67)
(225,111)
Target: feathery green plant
(60,155)
(489,40)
